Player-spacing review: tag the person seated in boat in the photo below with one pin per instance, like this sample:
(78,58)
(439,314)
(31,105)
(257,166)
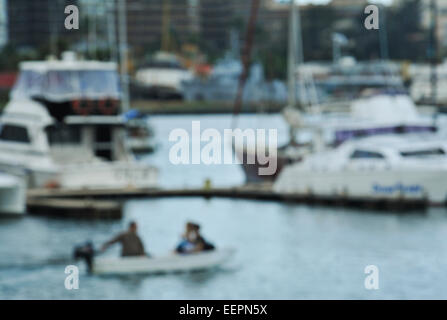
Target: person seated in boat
(131,244)
(192,240)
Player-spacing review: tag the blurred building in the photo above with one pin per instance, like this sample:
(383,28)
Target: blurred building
(3,23)
(346,12)
(37,22)
(441,29)
(152,22)
(219,18)
(208,23)
(216,22)
(347,4)
(441,9)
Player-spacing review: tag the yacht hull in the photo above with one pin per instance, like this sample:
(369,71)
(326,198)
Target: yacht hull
(398,185)
(108,175)
(251,171)
(12,195)
(35,178)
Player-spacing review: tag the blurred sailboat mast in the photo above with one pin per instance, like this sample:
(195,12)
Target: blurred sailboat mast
(246,57)
(166,23)
(295,58)
(111,28)
(292,55)
(433,50)
(54,31)
(92,39)
(383,34)
(295,52)
(122,25)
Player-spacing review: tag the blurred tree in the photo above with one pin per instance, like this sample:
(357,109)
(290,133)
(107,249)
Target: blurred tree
(317,25)
(10,57)
(271,51)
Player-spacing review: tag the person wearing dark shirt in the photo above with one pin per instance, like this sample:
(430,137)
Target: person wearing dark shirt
(131,244)
(192,241)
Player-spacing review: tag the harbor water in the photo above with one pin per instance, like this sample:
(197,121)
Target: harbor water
(284,250)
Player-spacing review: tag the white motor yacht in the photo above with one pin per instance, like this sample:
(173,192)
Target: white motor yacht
(162,77)
(375,114)
(80,152)
(63,127)
(412,167)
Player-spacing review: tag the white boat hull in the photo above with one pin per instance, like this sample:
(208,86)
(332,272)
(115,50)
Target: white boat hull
(387,168)
(12,195)
(166,264)
(108,175)
(36,175)
(398,185)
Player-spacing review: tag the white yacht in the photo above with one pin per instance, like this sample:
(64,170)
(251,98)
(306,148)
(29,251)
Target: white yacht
(63,127)
(80,152)
(162,77)
(375,114)
(385,109)
(24,143)
(12,195)
(412,167)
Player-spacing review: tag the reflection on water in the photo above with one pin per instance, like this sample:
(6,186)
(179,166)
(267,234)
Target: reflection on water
(284,251)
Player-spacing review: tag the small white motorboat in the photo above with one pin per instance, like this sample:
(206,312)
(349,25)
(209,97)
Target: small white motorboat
(165,264)
(172,263)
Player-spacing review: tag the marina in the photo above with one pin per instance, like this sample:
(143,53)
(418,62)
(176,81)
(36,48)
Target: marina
(223,150)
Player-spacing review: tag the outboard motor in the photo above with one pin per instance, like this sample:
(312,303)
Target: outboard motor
(85,251)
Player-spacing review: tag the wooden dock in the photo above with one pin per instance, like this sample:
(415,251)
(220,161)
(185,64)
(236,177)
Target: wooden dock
(259,192)
(75,208)
(107,202)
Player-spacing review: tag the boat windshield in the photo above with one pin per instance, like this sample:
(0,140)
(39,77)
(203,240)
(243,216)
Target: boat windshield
(14,133)
(65,85)
(424,153)
(363,154)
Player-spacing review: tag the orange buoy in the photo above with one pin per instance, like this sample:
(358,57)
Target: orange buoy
(108,107)
(83,107)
